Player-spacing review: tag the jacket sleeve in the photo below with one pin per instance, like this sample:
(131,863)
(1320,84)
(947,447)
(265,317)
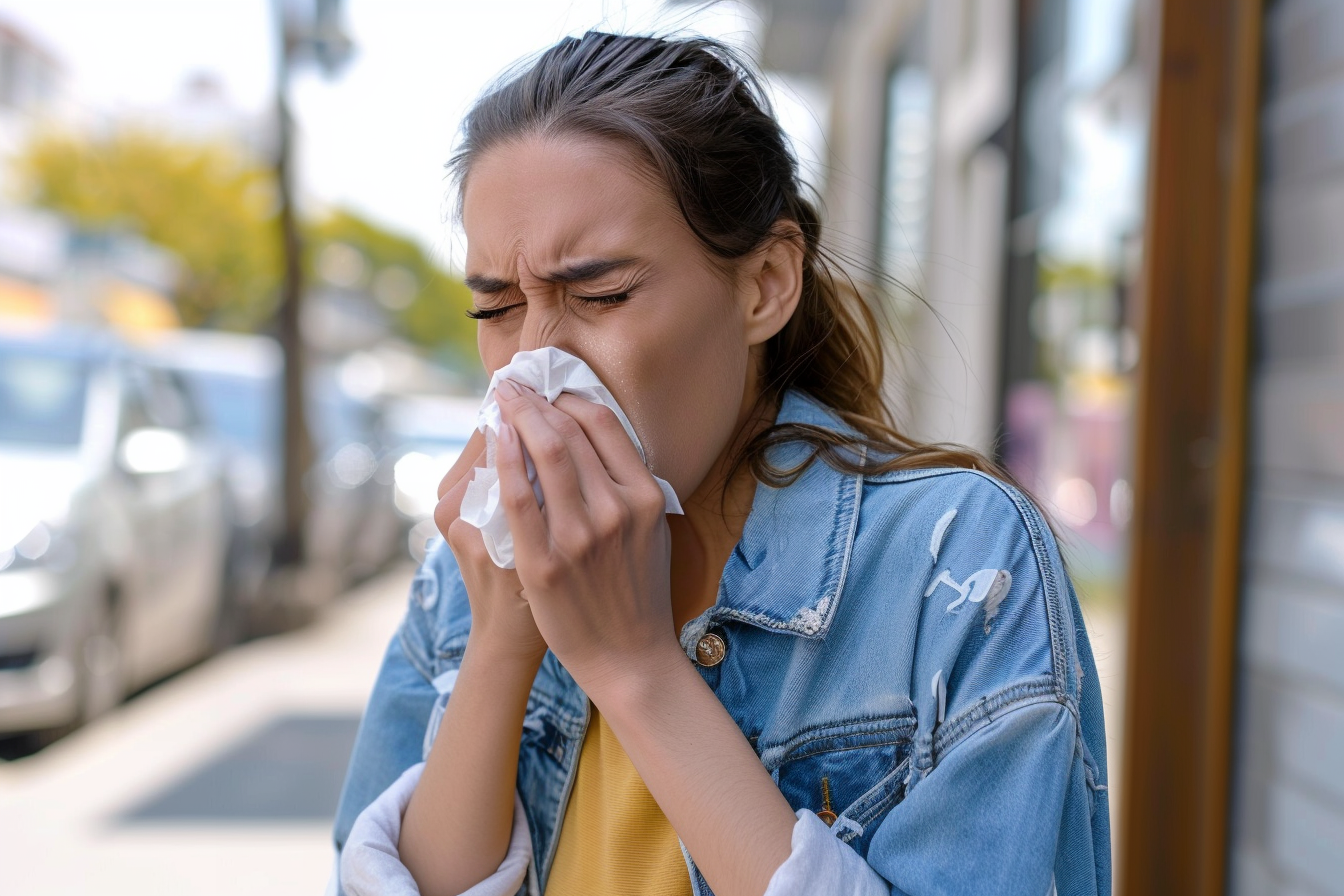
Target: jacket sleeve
(1003,794)
(390,738)
(986,820)
(398,728)
(391,733)
(371,866)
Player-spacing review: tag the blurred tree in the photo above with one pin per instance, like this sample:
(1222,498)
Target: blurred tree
(214,206)
(210,203)
(426,303)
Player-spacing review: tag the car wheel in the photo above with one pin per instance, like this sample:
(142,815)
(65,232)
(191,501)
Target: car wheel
(102,664)
(230,620)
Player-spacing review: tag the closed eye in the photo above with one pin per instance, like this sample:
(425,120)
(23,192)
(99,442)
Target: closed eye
(489,313)
(612,299)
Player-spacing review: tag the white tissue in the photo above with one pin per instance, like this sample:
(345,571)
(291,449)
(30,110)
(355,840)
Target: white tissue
(549,372)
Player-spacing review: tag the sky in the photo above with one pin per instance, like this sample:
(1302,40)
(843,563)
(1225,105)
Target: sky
(376,136)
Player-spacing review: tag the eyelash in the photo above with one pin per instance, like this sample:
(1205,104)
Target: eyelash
(491,313)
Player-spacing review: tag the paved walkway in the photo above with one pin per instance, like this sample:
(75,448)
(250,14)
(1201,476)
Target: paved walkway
(220,780)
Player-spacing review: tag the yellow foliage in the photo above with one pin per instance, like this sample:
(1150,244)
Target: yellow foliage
(210,204)
(215,207)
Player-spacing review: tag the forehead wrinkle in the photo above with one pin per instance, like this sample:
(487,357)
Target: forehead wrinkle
(547,225)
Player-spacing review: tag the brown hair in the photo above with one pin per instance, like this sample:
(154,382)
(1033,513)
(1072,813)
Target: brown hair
(699,115)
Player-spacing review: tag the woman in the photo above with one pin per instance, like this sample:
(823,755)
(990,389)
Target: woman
(854,665)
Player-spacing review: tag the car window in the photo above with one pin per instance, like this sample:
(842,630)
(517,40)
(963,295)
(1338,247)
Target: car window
(244,410)
(42,398)
(170,402)
(134,414)
(162,400)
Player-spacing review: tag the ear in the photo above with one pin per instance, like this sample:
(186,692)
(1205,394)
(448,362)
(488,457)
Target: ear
(775,283)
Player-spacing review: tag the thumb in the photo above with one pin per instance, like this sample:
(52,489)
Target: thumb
(473,455)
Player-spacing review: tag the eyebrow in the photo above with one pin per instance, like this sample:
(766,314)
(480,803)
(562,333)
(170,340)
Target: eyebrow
(577,272)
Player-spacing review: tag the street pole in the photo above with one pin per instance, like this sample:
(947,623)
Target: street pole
(308,29)
(289,552)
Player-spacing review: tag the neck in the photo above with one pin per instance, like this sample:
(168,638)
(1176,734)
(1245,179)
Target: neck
(704,536)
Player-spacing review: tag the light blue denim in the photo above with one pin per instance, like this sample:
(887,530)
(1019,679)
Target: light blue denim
(909,638)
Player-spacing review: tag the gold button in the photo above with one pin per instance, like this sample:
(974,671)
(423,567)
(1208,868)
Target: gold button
(710,650)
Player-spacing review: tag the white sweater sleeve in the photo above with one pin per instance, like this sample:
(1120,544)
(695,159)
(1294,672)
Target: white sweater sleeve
(371,865)
(818,864)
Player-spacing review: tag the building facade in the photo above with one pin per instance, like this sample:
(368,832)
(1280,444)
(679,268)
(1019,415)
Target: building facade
(1107,232)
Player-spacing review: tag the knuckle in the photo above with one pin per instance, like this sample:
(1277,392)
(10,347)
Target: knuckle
(518,499)
(574,537)
(648,500)
(605,417)
(444,517)
(612,519)
(568,427)
(457,534)
(552,451)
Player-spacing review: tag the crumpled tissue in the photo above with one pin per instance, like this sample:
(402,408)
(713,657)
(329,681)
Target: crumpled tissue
(549,372)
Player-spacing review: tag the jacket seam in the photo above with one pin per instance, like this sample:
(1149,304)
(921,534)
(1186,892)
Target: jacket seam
(874,796)
(854,505)
(571,775)
(412,656)
(992,708)
(898,728)
(1051,585)
(843,531)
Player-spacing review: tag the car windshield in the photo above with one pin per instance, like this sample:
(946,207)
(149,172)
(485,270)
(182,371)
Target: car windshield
(42,397)
(245,411)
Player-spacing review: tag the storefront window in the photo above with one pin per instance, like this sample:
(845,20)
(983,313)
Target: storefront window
(907,179)
(907,174)
(1074,247)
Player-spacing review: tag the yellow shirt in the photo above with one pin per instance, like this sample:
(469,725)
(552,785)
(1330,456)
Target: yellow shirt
(614,840)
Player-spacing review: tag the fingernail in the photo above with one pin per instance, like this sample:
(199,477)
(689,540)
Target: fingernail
(507,389)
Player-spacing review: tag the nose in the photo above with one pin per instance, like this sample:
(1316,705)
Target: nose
(544,314)
(542,326)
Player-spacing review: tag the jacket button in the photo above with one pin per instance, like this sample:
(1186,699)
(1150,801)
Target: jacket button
(710,650)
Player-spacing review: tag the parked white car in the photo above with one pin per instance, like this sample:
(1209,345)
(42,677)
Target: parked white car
(352,530)
(113,528)
(425,435)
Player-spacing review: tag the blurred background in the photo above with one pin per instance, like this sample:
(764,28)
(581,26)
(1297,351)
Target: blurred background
(234,366)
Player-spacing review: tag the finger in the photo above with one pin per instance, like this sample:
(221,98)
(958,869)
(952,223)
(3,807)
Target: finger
(608,439)
(450,502)
(557,469)
(517,498)
(449,507)
(473,455)
(594,480)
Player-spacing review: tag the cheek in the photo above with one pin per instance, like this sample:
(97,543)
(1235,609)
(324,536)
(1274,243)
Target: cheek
(683,394)
(495,347)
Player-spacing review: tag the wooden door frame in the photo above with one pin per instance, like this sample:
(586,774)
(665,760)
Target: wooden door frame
(1190,450)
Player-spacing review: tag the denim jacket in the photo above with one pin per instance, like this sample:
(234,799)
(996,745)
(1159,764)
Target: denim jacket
(903,649)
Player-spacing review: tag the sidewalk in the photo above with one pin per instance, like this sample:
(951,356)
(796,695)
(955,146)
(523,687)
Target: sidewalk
(221,780)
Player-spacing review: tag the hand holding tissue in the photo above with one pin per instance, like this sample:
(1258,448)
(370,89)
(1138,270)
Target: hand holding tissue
(549,372)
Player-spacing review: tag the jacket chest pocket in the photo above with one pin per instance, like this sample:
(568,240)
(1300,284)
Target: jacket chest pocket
(849,774)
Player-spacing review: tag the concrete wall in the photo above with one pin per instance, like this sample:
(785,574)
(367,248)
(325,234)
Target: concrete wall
(1288,821)
(946,347)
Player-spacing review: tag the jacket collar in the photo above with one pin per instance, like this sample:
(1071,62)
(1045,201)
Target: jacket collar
(788,569)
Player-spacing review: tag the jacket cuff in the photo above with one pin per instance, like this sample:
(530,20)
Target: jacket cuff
(371,865)
(818,863)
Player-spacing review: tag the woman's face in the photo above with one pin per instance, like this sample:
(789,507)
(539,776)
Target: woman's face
(579,248)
